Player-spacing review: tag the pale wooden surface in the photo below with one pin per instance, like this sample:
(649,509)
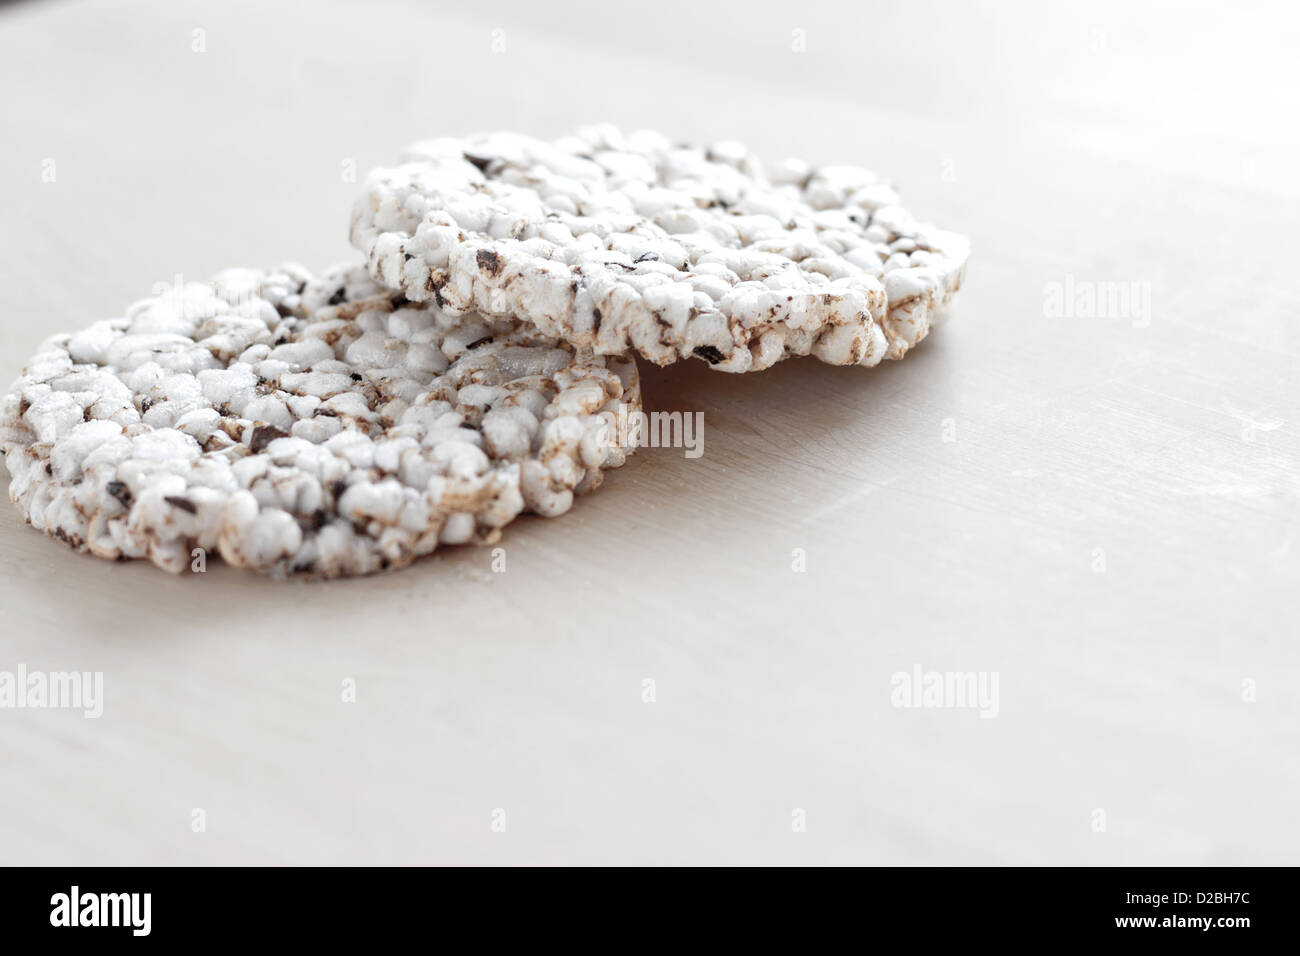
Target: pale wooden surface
(1154,144)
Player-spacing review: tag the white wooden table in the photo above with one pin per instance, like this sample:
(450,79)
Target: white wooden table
(1100,508)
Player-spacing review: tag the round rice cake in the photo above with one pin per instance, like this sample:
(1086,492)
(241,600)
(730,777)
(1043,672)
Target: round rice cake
(302,425)
(623,243)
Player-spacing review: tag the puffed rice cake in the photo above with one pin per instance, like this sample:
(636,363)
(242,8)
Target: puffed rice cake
(623,243)
(302,425)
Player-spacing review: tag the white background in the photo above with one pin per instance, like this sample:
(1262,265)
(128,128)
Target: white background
(1113,531)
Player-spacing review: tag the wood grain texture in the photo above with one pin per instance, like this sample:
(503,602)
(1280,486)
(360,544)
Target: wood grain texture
(1101,510)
